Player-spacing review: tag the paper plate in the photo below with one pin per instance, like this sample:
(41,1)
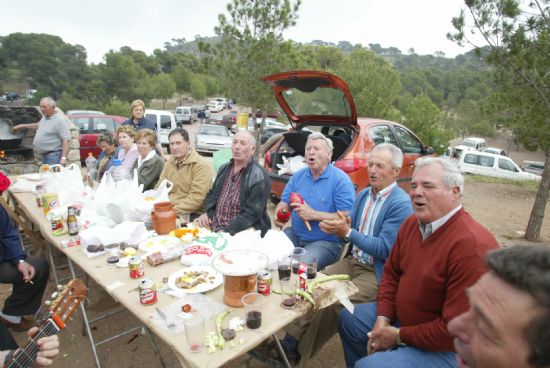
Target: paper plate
(215,279)
(240,262)
(158,243)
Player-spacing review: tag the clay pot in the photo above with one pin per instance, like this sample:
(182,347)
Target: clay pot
(235,287)
(163,218)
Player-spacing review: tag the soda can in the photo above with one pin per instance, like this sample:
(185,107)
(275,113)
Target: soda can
(264,282)
(39,195)
(147,292)
(136,267)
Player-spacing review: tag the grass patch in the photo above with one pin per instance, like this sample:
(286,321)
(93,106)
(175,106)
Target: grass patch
(529,184)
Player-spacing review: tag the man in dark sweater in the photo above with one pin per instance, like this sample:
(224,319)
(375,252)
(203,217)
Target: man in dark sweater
(238,198)
(437,255)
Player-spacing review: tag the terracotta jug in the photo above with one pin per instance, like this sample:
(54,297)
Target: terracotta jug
(163,217)
(235,287)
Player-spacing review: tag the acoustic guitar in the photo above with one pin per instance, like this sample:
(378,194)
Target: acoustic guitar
(61,310)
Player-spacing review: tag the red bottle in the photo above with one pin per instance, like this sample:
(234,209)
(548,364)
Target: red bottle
(296,198)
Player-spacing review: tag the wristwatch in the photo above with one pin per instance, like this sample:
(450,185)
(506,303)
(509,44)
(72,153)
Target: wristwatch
(20,261)
(398,340)
(348,234)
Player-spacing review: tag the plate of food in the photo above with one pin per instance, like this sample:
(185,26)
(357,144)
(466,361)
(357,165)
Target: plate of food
(239,262)
(195,279)
(158,243)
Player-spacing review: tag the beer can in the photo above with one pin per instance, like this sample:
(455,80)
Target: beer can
(136,267)
(50,201)
(147,292)
(264,282)
(302,278)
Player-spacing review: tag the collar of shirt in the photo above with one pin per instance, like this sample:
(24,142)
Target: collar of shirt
(429,229)
(148,157)
(387,190)
(324,175)
(180,162)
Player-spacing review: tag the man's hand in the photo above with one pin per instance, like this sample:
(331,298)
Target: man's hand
(204,221)
(280,206)
(305,212)
(63,161)
(373,343)
(384,338)
(27,270)
(48,349)
(338,227)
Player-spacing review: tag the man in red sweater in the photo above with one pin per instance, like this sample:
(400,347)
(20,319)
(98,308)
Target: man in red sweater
(437,255)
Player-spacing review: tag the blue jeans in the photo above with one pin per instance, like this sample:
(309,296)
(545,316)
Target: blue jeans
(327,252)
(353,331)
(51,158)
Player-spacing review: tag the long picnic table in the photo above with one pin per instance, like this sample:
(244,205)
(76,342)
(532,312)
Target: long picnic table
(117,282)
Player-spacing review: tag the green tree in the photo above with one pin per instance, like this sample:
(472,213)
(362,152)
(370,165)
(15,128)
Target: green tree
(183,77)
(161,86)
(517,36)
(424,118)
(251,46)
(197,87)
(373,82)
(123,77)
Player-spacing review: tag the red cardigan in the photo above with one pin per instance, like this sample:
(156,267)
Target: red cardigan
(423,284)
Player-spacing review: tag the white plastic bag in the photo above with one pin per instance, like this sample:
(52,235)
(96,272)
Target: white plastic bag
(143,205)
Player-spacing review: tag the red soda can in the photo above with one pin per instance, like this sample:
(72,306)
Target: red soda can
(302,277)
(263,283)
(136,267)
(147,292)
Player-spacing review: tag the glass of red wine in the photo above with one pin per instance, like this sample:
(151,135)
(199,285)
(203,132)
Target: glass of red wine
(288,292)
(283,266)
(252,303)
(311,262)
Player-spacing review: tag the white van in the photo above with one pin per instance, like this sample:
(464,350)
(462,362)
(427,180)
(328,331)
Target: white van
(185,114)
(469,144)
(166,122)
(488,164)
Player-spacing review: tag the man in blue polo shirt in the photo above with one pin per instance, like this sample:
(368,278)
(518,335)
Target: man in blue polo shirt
(325,190)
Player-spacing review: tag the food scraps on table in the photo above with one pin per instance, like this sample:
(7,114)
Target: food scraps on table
(191,279)
(185,231)
(186,308)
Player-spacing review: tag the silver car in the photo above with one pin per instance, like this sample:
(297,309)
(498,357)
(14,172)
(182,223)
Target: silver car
(211,138)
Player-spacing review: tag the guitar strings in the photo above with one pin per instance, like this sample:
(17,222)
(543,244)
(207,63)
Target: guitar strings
(30,351)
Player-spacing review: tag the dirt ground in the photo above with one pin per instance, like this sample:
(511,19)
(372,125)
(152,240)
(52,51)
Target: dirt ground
(503,208)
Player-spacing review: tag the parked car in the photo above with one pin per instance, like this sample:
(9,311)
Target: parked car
(488,164)
(469,144)
(166,122)
(211,138)
(533,167)
(196,108)
(322,102)
(223,101)
(185,114)
(494,150)
(269,123)
(11,96)
(90,126)
(215,106)
(84,112)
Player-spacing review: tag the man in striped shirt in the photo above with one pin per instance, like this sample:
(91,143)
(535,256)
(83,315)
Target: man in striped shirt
(378,212)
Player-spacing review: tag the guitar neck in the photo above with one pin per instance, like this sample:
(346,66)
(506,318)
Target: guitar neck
(23,358)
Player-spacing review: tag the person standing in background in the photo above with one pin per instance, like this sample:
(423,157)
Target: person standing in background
(138,121)
(53,134)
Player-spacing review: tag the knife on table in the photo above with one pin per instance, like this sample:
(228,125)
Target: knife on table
(169,323)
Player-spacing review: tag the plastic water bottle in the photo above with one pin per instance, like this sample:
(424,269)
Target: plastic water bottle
(119,172)
(91,165)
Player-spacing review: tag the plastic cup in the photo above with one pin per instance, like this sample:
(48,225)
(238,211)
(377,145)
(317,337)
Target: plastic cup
(311,262)
(283,267)
(253,303)
(288,292)
(194,333)
(296,257)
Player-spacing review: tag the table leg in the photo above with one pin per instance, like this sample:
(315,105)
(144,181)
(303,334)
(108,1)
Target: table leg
(155,347)
(281,351)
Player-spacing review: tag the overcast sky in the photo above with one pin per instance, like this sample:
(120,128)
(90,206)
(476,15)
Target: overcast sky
(101,25)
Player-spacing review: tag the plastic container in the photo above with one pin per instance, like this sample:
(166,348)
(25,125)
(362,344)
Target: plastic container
(119,172)
(91,165)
